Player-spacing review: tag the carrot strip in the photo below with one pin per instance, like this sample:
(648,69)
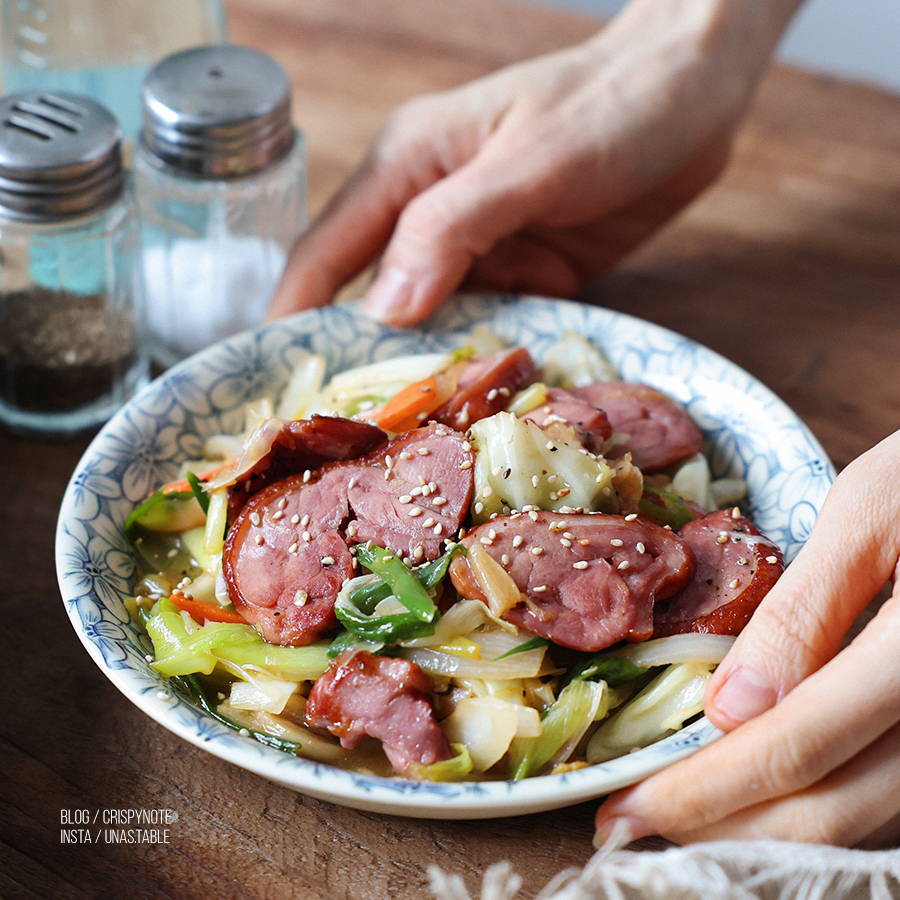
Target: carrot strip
(201,611)
(182,484)
(410,407)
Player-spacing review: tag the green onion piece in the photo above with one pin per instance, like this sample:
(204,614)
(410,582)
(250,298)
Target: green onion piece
(347,639)
(573,711)
(403,583)
(615,672)
(190,687)
(164,511)
(665,508)
(199,493)
(454,769)
(532,644)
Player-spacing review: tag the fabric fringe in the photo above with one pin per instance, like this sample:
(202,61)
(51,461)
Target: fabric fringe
(726,870)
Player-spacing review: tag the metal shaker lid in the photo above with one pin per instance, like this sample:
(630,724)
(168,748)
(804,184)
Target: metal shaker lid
(60,156)
(221,111)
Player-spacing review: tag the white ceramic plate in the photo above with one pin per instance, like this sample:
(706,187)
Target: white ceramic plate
(749,433)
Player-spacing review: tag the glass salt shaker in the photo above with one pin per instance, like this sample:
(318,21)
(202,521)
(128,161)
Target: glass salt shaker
(220,178)
(70,306)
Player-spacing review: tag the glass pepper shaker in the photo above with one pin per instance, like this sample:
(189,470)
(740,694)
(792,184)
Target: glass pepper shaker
(220,178)
(70,305)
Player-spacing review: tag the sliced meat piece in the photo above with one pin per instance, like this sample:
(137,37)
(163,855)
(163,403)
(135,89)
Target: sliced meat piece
(564,410)
(660,432)
(286,554)
(485,387)
(413,493)
(363,695)
(589,579)
(304,444)
(736,568)
(285,558)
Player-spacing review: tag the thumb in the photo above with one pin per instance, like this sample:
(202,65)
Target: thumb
(439,235)
(801,624)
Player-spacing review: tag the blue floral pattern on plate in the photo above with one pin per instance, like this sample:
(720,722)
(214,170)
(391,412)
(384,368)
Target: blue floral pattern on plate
(749,432)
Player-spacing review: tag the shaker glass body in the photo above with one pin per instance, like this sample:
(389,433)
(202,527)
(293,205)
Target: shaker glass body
(213,250)
(70,352)
(100,48)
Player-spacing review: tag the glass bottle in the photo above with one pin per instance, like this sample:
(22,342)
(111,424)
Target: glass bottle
(100,49)
(220,178)
(70,286)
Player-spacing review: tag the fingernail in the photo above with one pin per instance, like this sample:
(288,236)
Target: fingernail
(618,832)
(389,294)
(744,695)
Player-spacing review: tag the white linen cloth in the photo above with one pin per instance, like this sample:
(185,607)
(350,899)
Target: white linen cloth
(726,870)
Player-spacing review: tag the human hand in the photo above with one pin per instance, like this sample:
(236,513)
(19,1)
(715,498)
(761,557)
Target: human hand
(542,175)
(813,752)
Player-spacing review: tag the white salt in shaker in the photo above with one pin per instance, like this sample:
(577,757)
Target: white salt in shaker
(220,179)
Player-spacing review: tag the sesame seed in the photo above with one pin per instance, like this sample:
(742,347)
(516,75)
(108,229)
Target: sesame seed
(415,511)
(306,537)
(351,529)
(352,483)
(254,518)
(306,476)
(327,560)
(438,529)
(772,559)
(439,501)
(486,540)
(416,492)
(496,470)
(423,451)
(532,515)
(735,513)
(389,460)
(734,584)
(487,491)
(639,546)
(569,535)
(282,503)
(305,520)
(295,519)
(581,564)
(244,732)
(164,695)
(535,481)
(540,588)
(405,454)
(404,498)
(630,517)
(503,559)
(492,394)
(428,522)
(466,464)
(617,542)
(722,538)
(293,548)
(624,564)
(549,445)
(552,479)
(492,533)
(504,391)
(537,551)
(463,417)
(565,542)
(517,540)
(419,552)
(743,561)
(478,508)
(260,540)
(278,514)
(554,496)
(300,597)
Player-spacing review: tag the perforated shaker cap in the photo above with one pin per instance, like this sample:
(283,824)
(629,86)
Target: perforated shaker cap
(221,111)
(60,156)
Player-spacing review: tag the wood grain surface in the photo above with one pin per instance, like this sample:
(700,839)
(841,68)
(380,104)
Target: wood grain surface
(790,266)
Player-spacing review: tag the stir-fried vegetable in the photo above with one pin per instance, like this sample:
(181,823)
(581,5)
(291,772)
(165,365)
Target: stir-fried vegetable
(510,703)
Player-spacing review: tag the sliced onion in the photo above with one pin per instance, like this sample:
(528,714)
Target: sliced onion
(492,645)
(485,725)
(495,582)
(705,649)
(257,445)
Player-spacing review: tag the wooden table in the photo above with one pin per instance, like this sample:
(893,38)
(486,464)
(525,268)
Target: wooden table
(790,266)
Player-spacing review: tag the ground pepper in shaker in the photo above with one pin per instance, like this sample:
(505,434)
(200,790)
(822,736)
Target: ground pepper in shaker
(70,306)
(220,179)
